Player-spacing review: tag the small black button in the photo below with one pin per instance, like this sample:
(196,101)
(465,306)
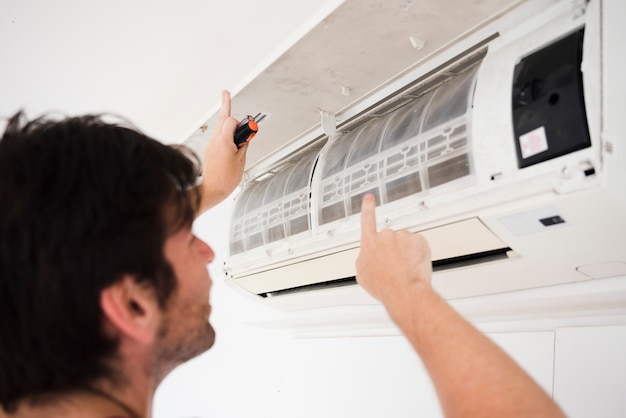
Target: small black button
(552,220)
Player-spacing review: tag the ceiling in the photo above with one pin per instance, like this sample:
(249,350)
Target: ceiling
(160,63)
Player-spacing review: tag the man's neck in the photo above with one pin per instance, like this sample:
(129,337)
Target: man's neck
(129,396)
(79,404)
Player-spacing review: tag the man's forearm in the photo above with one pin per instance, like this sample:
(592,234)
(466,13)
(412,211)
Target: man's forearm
(472,375)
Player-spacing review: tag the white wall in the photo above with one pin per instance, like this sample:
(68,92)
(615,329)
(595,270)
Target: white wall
(590,371)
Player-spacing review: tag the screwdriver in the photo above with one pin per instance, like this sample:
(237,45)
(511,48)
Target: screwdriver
(246,130)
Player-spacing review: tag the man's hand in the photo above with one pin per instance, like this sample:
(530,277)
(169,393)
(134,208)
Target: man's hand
(389,262)
(223,161)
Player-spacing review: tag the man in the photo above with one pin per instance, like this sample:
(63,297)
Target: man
(104,288)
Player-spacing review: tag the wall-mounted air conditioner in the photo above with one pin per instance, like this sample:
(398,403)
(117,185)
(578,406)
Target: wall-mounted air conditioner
(493,149)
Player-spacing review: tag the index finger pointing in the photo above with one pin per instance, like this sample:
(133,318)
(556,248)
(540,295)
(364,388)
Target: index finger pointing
(368,215)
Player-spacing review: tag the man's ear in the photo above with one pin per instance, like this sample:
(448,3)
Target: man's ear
(132,309)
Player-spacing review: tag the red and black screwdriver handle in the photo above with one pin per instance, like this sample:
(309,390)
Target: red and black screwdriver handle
(245,131)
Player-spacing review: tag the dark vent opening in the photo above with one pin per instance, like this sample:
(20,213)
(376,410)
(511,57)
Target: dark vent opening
(346,281)
(471,259)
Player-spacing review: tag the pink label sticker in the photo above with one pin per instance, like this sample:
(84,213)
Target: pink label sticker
(533,142)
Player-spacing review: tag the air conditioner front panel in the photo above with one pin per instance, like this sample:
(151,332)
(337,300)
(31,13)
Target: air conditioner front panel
(450,244)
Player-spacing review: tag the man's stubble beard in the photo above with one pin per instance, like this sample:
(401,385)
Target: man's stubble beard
(184,334)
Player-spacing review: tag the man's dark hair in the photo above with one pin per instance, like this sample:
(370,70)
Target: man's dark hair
(82,203)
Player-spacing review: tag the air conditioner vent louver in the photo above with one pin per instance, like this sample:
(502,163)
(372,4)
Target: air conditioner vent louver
(420,146)
(407,147)
(275,208)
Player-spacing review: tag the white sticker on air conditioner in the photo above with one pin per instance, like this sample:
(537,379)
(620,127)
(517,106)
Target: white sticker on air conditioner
(533,142)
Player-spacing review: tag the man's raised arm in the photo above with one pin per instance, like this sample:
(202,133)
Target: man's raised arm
(472,375)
